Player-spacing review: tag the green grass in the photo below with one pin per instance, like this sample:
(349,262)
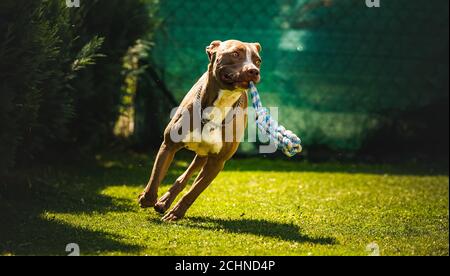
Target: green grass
(254,207)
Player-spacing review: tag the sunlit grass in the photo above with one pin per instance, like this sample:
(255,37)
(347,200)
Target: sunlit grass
(254,207)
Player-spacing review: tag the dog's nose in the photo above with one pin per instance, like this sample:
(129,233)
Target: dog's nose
(253,72)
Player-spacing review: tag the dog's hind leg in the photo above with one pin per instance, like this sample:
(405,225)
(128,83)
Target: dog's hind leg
(209,171)
(163,160)
(167,199)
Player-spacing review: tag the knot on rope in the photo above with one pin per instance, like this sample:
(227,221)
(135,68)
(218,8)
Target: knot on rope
(284,139)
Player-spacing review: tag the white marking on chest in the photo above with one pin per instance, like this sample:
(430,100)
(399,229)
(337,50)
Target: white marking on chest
(222,105)
(211,136)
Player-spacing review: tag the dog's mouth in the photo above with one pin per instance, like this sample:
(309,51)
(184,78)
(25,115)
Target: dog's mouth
(228,78)
(231,79)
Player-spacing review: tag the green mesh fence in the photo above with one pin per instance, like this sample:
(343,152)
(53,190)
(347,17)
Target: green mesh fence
(339,71)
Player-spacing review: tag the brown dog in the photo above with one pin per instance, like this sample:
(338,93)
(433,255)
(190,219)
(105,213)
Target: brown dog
(233,64)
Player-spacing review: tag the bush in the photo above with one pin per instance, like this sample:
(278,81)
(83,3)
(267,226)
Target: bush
(50,95)
(99,87)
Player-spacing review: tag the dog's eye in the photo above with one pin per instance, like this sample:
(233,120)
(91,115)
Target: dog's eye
(258,63)
(235,54)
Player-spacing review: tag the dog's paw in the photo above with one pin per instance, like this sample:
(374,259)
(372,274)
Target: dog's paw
(170,217)
(164,203)
(173,215)
(146,201)
(160,207)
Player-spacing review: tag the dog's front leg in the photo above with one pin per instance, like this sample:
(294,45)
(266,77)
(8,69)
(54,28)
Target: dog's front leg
(211,169)
(163,160)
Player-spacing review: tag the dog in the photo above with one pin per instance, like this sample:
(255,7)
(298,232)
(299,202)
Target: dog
(232,66)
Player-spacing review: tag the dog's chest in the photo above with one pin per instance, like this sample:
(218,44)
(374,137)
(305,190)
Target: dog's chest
(222,105)
(209,139)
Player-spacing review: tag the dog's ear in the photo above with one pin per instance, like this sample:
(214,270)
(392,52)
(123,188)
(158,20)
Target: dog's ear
(257,46)
(212,48)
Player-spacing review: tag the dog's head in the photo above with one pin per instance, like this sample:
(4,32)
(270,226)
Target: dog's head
(234,63)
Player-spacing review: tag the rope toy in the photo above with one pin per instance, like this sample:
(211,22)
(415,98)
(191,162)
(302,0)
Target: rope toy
(285,140)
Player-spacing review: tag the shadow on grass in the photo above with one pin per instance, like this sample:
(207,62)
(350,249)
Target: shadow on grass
(141,167)
(72,189)
(24,231)
(285,165)
(276,230)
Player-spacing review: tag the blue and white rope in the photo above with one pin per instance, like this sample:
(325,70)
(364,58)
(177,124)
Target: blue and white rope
(285,140)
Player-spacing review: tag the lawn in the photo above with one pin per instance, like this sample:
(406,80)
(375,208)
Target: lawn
(256,206)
